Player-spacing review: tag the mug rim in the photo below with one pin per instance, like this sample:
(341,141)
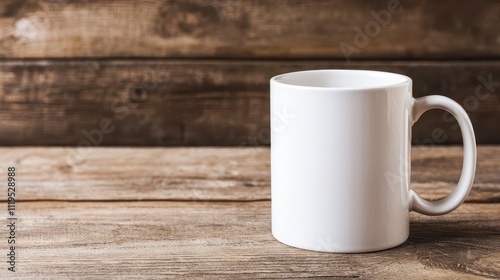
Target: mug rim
(403,80)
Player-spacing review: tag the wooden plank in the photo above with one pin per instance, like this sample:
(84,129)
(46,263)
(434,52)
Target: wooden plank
(205,102)
(193,240)
(238,28)
(209,174)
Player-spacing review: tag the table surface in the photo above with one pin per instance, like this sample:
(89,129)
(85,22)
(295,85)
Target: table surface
(205,213)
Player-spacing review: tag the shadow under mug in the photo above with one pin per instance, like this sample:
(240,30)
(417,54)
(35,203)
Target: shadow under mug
(340,159)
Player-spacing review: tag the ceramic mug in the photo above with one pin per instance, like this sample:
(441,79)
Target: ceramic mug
(340,159)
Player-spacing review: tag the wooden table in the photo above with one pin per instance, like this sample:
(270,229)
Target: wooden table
(120,213)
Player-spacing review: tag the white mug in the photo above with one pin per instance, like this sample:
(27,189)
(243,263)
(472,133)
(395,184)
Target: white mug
(340,159)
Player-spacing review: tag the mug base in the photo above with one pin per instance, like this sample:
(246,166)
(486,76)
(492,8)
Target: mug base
(338,248)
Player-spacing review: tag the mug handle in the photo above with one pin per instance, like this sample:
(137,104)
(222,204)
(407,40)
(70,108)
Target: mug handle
(455,198)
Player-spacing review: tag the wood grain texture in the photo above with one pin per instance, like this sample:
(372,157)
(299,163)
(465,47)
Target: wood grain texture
(231,240)
(206,102)
(238,28)
(208,174)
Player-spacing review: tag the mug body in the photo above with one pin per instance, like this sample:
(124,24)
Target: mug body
(340,159)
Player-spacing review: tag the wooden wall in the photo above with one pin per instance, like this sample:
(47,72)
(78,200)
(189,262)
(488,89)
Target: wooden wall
(196,72)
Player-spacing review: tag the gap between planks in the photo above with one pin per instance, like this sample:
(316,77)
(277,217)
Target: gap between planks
(470,202)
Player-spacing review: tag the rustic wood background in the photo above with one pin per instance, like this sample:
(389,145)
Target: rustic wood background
(196,72)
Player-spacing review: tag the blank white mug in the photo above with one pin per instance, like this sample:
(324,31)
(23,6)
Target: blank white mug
(340,159)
